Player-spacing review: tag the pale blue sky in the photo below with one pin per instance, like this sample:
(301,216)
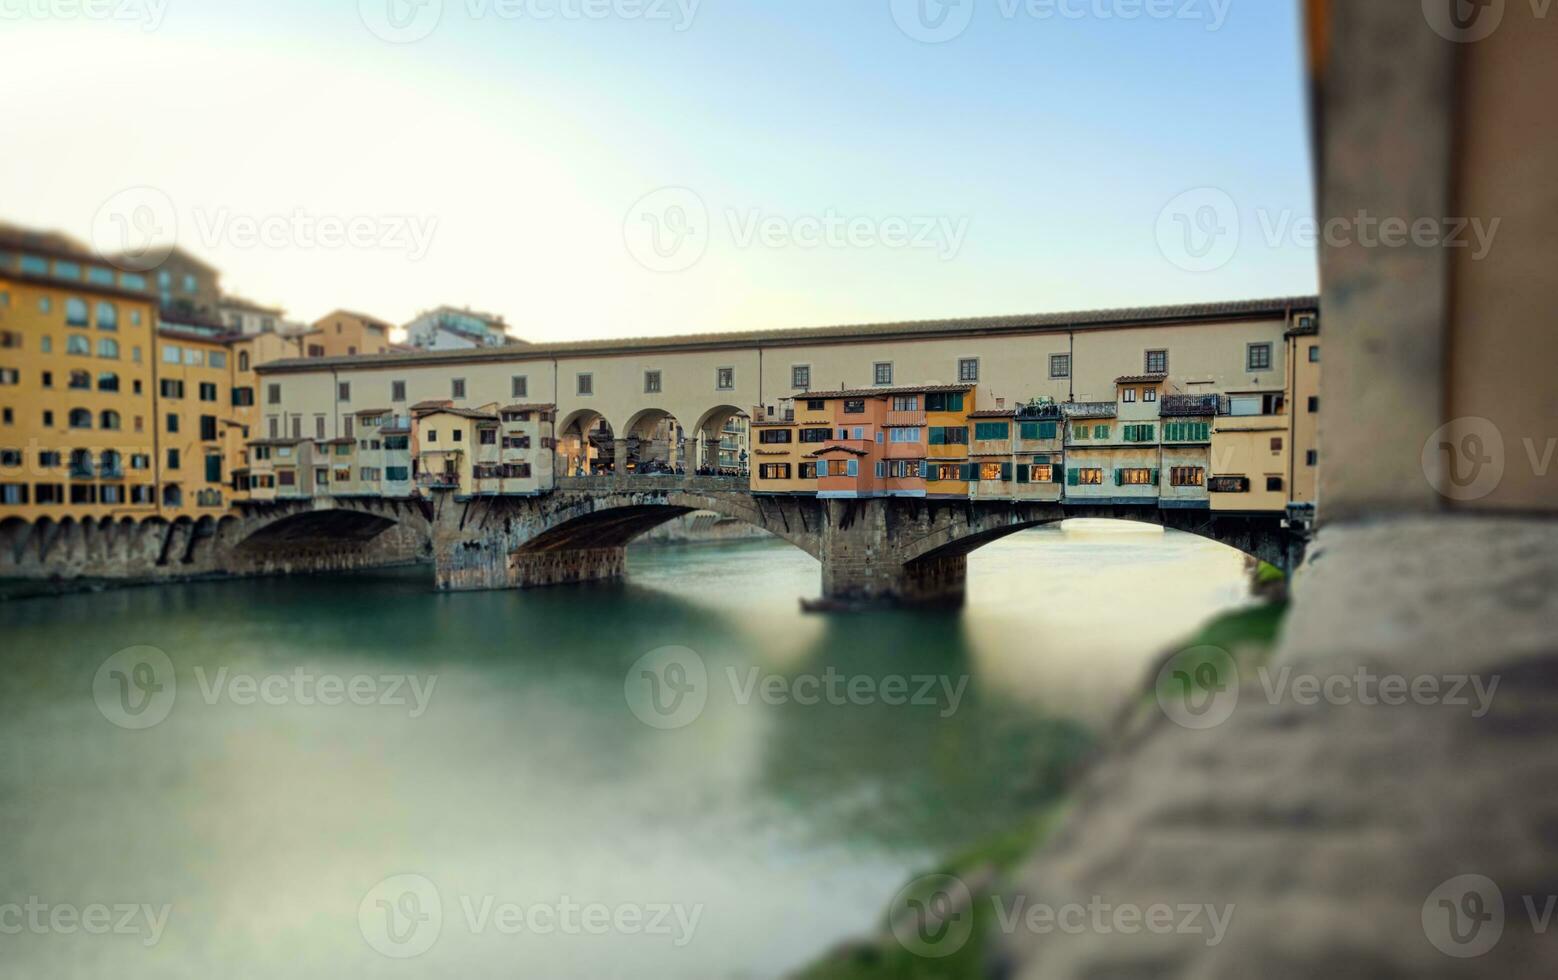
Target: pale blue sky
(1033,155)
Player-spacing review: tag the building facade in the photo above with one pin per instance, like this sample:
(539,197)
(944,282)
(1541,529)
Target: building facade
(454,328)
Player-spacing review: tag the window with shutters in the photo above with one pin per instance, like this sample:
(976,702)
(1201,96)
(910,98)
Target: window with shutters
(1134,477)
(1100,432)
(1257,357)
(1038,430)
(1087,476)
(1187,476)
(992,430)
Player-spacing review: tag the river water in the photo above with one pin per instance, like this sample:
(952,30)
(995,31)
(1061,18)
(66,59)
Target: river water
(481,790)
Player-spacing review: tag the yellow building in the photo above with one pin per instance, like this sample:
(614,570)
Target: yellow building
(947,468)
(77,437)
(1249,454)
(344,333)
(198,437)
(783,437)
(1304,411)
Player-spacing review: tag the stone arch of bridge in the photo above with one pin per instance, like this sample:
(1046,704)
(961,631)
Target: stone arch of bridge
(613,520)
(348,521)
(1258,536)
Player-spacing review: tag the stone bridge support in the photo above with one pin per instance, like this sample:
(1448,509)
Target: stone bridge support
(328,534)
(879,551)
(580,532)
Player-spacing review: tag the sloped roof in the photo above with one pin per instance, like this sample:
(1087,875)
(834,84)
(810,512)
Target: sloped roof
(838,449)
(964,326)
(898,390)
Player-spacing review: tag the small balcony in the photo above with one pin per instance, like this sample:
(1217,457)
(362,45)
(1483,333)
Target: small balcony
(439,481)
(905,418)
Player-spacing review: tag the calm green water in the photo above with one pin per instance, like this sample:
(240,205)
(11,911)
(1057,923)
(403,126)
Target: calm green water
(508,771)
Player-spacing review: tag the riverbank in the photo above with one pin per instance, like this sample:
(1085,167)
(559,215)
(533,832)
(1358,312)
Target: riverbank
(689,529)
(1247,634)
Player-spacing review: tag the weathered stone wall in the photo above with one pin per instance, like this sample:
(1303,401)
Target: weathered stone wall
(300,536)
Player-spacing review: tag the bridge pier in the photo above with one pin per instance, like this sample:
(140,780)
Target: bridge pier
(863,560)
(939,582)
(567,566)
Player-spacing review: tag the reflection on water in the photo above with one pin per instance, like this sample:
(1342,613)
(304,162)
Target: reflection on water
(526,780)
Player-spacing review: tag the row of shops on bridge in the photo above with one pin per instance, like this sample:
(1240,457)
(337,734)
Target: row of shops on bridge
(1154,442)
(1161,439)
(495,449)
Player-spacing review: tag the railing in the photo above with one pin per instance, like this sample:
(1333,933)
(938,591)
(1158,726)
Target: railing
(905,418)
(438,481)
(657,481)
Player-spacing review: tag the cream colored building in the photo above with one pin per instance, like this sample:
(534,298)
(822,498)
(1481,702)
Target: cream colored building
(704,380)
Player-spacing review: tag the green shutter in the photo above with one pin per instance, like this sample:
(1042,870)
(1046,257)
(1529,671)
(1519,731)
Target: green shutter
(1022,472)
(1071,478)
(1046,430)
(1117,476)
(1154,477)
(1055,471)
(1006,471)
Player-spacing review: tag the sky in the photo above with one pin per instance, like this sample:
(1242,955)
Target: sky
(615,168)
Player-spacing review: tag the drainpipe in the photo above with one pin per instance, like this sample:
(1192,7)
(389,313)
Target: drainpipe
(156,409)
(1292,400)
